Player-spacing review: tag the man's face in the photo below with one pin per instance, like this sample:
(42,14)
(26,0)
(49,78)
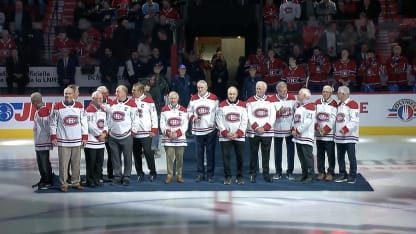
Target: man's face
(182,72)
(136,92)
(202,89)
(173,99)
(98,99)
(232,95)
(341,96)
(282,91)
(120,94)
(301,96)
(69,94)
(260,90)
(326,93)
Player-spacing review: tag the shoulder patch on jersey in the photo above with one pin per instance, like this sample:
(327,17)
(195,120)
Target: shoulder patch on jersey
(352,104)
(44,111)
(310,106)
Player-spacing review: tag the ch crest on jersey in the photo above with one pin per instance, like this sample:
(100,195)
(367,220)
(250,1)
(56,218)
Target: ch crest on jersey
(322,117)
(100,124)
(174,122)
(261,113)
(202,110)
(340,117)
(118,116)
(233,117)
(70,120)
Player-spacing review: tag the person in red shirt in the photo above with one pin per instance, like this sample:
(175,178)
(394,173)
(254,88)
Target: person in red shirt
(256,59)
(344,70)
(396,67)
(168,14)
(370,72)
(294,76)
(272,70)
(312,33)
(7,44)
(86,49)
(121,7)
(319,67)
(61,42)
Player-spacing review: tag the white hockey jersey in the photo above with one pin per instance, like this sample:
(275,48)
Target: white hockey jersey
(283,124)
(69,124)
(261,112)
(97,125)
(304,124)
(147,116)
(174,119)
(347,119)
(326,111)
(232,117)
(122,121)
(41,128)
(205,108)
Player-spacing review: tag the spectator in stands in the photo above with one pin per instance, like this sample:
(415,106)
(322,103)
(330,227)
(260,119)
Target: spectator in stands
(161,80)
(273,68)
(135,15)
(218,56)
(365,29)
(109,70)
(397,71)
(249,83)
(370,72)
(19,22)
(17,72)
(144,49)
(270,14)
(289,11)
(319,67)
(348,38)
(86,49)
(329,41)
(325,10)
(163,42)
(257,60)
(107,13)
(169,15)
(156,59)
(342,14)
(345,71)
(371,8)
(308,9)
(79,12)
(7,44)
(294,75)
(134,69)
(182,84)
(312,33)
(121,7)
(66,69)
(299,55)
(150,12)
(195,69)
(219,79)
(62,41)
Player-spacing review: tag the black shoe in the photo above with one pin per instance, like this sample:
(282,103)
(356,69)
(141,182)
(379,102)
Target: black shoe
(211,179)
(342,178)
(239,181)
(308,180)
(116,181)
(42,186)
(98,183)
(199,178)
(351,180)
(252,179)
(301,178)
(126,181)
(289,176)
(277,176)
(152,178)
(227,181)
(267,179)
(140,178)
(90,185)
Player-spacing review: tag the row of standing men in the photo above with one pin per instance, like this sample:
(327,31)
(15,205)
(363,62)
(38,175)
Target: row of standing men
(127,125)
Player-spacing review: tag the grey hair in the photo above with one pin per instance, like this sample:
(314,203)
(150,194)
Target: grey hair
(344,89)
(305,91)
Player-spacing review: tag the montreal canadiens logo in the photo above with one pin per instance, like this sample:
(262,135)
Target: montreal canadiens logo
(6,112)
(202,110)
(174,122)
(118,116)
(100,124)
(233,117)
(340,117)
(296,118)
(404,109)
(322,117)
(71,120)
(261,113)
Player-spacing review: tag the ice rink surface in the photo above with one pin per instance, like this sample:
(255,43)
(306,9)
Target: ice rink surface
(387,162)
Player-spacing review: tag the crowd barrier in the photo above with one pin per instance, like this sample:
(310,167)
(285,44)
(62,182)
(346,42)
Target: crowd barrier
(380,114)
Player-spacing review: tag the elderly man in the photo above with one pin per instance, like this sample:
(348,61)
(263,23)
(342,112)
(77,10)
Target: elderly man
(232,123)
(69,130)
(97,133)
(201,110)
(173,125)
(346,134)
(147,129)
(326,110)
(261,116)
(304,133)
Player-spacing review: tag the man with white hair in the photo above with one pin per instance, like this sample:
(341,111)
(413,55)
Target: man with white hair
(326,110)
(346,134)
(304,134)
(261,114)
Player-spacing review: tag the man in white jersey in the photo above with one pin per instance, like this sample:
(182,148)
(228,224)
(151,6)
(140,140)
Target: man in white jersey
(69,130)
(42,139)
(346,134)
(201,111)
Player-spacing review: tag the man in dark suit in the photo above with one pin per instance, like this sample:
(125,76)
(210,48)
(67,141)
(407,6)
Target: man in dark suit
(17,72)
(66,69)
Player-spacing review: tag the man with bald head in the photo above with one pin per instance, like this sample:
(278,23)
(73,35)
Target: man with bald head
(326,110)
(231,122)
(42,140)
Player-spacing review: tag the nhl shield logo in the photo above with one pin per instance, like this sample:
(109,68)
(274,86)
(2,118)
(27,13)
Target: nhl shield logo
(404,109)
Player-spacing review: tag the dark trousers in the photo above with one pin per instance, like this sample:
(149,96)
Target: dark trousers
(44,166)
(206,144)
(109,162)
(290,148)
(265,145)
(226,147)
(348,148)
(143,145)
(93,163)
(121,146)
(21,85)
(306,159)
(327,147)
